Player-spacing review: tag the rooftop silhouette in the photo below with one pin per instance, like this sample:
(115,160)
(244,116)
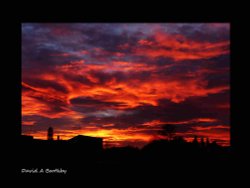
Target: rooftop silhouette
(81,151)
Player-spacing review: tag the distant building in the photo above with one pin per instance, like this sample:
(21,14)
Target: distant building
(77,143)
(87,142)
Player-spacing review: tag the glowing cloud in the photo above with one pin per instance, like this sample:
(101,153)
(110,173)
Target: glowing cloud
(122,82)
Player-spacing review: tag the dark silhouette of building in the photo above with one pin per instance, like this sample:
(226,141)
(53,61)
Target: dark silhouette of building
(79,142)
(81,151)
(50,133)
(87,142)
(26,138)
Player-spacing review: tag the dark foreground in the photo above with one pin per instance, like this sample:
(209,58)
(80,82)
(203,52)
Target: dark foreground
(172,157)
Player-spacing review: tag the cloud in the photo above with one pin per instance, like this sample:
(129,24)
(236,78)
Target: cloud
(124,81)
(179,48)
(97,104)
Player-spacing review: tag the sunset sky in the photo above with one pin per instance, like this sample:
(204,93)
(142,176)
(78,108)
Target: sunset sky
(123,81)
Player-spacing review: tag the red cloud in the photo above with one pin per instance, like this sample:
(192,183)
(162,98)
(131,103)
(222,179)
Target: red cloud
(131,93)
(120,81)
(179,48)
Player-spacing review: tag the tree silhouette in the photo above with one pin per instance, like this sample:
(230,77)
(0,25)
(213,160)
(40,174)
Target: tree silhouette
(202,142)
(168,130)
(207,142)
(195,140)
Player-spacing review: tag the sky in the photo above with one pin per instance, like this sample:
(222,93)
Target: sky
(123,81)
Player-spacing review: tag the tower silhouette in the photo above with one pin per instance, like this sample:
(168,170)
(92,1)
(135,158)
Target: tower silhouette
(50,133)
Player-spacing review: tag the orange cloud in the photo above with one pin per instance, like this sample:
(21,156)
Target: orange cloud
(198,128)
(157,123)
(39,101)
(131,93)
(29,123)
(180,48)
(153,123)
(121,78)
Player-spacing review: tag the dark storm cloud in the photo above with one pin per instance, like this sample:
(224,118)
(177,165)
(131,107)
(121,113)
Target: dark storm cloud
(88,101)
(40,46)
(201,32)
(42,123)
(121,120)
(196,107)
(219,62)
(111,41)
(53,102)
(217,80)
(82,36)
(192,108)
(80,79)
(110,36)
(40,83)
(43,58)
